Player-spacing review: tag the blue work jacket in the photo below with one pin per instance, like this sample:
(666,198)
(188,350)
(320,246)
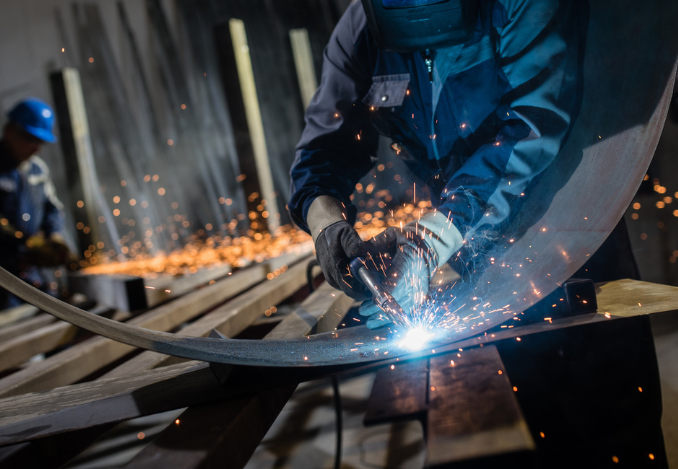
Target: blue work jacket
(494,117)
(28,203)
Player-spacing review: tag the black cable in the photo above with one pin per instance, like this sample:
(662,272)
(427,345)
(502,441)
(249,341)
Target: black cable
(338,411)
(335,380)
(309,274)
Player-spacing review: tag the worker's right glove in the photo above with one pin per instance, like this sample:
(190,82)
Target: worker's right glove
(417,251)
(337,243)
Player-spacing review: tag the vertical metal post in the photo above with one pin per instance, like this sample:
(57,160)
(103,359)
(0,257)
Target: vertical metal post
(77,149)
(303,61)
(254,121)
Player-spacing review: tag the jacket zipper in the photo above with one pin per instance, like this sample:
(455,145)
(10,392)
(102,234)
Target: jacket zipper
(429,64)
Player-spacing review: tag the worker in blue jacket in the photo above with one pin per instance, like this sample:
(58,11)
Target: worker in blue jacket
(477,97)
(31,218)
(477,100)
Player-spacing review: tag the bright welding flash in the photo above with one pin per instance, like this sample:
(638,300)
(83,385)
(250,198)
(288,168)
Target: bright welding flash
(416,339)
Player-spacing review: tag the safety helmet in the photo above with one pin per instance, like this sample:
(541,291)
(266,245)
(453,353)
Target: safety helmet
(417,25)
(36,117)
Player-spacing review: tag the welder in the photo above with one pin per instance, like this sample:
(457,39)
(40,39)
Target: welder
(31,215)
(477,97)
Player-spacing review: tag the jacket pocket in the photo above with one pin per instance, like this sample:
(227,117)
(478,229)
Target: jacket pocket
(387,90)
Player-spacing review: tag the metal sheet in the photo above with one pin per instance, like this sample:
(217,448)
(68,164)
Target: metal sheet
(629,74)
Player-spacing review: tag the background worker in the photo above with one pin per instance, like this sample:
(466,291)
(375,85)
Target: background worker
(478,97)
(31,218)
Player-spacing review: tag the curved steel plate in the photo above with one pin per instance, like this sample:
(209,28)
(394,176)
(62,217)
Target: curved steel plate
(629,72)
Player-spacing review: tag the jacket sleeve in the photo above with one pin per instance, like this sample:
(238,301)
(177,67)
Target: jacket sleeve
(538,56)
(54,217)
(339,144)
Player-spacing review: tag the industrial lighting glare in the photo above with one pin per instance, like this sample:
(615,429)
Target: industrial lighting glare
(416,339)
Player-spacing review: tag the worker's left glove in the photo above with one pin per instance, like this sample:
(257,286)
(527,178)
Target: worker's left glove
(416,252)
(46,252)
(337,243)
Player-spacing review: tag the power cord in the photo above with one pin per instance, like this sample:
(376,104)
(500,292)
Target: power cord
(335,380)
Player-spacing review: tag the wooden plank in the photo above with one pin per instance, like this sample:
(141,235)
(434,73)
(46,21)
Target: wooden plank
(23,406)
(34,415)
(73,443)
(226,432)
(104,401)
(87,357)
(626,298)
(237,426)
(473,412)
(12,315)
(163,289)
(399,393)
(25,326)
(229,319)
(15,351)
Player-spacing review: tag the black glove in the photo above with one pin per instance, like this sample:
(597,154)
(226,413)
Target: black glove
(408,276)
(336,246)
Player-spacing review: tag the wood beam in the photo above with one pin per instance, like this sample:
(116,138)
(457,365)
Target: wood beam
(21,413)
(27,325)
(89,356)
(473,412)
(237,426)
(399,393)
(15,351)
(35,415)
(18,313)
(229,319)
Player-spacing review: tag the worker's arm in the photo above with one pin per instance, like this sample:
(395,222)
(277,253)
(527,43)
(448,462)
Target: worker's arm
(538,50)
(53,250)
(337,148)
(339,144)
(484,195)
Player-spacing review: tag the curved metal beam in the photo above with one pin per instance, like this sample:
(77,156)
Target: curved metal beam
(629,74)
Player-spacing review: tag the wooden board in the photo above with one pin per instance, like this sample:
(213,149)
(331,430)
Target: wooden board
(12,315)
(74,407)
(34,415)
(165,288)
(15,351)
(399,393)
(24,412)
(236,427)
(89,356)
(229,319)
(473,412)
(24,326)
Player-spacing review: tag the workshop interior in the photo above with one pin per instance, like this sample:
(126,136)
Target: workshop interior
(338,234)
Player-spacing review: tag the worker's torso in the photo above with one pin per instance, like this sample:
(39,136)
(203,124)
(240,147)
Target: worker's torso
(468,110)
(24,192)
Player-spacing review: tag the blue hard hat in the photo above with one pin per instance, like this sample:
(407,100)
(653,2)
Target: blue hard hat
(36,117)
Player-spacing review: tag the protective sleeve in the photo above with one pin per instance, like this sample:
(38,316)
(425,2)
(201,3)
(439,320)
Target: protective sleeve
(538,56)
(339,144)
